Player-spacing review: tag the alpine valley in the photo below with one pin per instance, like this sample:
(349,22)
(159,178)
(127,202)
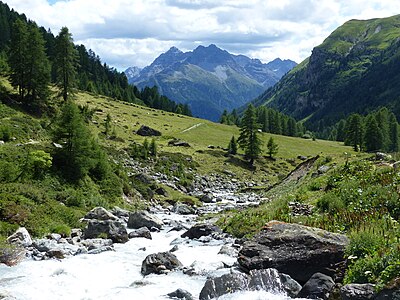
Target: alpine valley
(209,79)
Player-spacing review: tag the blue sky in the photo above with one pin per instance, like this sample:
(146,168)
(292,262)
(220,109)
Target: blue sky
(134,32)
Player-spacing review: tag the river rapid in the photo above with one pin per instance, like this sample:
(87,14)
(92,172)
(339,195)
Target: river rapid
(116,274)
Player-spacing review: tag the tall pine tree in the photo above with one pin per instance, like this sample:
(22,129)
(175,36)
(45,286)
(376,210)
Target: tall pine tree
(373,135)
(65,63)
(248,139)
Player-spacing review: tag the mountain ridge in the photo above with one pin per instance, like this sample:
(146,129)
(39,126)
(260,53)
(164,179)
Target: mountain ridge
(353,71)
(209,79)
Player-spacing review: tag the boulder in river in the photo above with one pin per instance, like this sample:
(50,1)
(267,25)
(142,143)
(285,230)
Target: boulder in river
(11,255)
(199,230)
(21,237)
(319,286)
(160,263)
(113,230)
(182,209)
(141,232)
(143,219)
(180,294)
(147,131)
(265,280)
(293,249)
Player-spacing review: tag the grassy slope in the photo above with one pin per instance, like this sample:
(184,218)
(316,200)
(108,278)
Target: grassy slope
(200,134)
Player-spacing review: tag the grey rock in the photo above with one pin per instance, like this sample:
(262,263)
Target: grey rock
(319,286)
(119,212)
(160,262)
(143,219)
(183,209)
(12,255)
(178,143)
(357,291)
(162,191)
(21,237)
(207,198)
(97,243)
(113,230)
(323,169)
(181,294)
(141,232)
(147,131)
(100,213)
(382,156)
(226,250)
(200,230)
(293,249)
(227,283)
(291,286)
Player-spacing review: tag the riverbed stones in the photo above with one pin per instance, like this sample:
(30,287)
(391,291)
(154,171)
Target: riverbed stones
(21,237)
(113,230)
(160,263)
(293,249)
(143,232)
(319,286)
(143,218)
(182,209)
(227,283)
(199,230)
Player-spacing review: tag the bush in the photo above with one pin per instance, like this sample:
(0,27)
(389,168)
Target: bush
(62,229)
(5,133)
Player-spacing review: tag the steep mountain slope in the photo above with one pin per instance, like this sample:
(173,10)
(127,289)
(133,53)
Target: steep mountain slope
(356,69)
(209,79)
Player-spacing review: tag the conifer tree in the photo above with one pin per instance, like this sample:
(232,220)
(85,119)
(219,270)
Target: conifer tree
(232,147)
(145,149)
(373,135)
(272,147)
(354,132)
(248,139)
(153,148)
(108,125)
(66,63)
(393,133)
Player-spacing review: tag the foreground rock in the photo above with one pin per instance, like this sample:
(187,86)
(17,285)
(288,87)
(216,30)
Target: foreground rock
(319,286)
(11,255)
(357,291)
(143,219)
(267,280)
(181,294)
(141,232)
(160,263)
(200,230)
(293,249)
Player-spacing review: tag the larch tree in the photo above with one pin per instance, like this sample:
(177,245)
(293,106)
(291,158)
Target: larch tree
(272,147)
(249,140)
(66,63)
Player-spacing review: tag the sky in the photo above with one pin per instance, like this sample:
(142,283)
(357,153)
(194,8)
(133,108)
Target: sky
(128,33)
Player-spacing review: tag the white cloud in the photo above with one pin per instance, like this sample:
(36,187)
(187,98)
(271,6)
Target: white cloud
(134,32)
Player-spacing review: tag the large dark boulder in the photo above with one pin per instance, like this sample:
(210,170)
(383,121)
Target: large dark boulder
(143,218)
(147,131)
(200,230)
(160,263)
(258,280)
(227,283)
(113,230)
(319,286)
(356,291)
(293,249)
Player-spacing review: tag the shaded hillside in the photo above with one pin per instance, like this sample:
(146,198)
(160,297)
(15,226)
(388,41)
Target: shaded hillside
(354,70)
(209,79)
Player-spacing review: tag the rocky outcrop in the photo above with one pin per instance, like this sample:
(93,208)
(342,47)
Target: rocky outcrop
(266,280)
(183,209)
(160,263)
(319,286)
(357,291)
(293,249)
(143,219)
(147,131)
(141,232)
(200,230)
(113,230)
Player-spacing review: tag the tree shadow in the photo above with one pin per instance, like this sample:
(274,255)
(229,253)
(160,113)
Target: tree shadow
(234,160)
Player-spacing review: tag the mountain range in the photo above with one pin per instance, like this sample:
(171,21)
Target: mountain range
(355,70)
(209,79)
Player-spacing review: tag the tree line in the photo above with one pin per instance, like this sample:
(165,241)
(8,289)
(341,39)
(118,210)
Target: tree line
(32,55)
(376,131)
(269,120)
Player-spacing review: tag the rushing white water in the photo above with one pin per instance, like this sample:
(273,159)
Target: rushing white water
(116,274)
